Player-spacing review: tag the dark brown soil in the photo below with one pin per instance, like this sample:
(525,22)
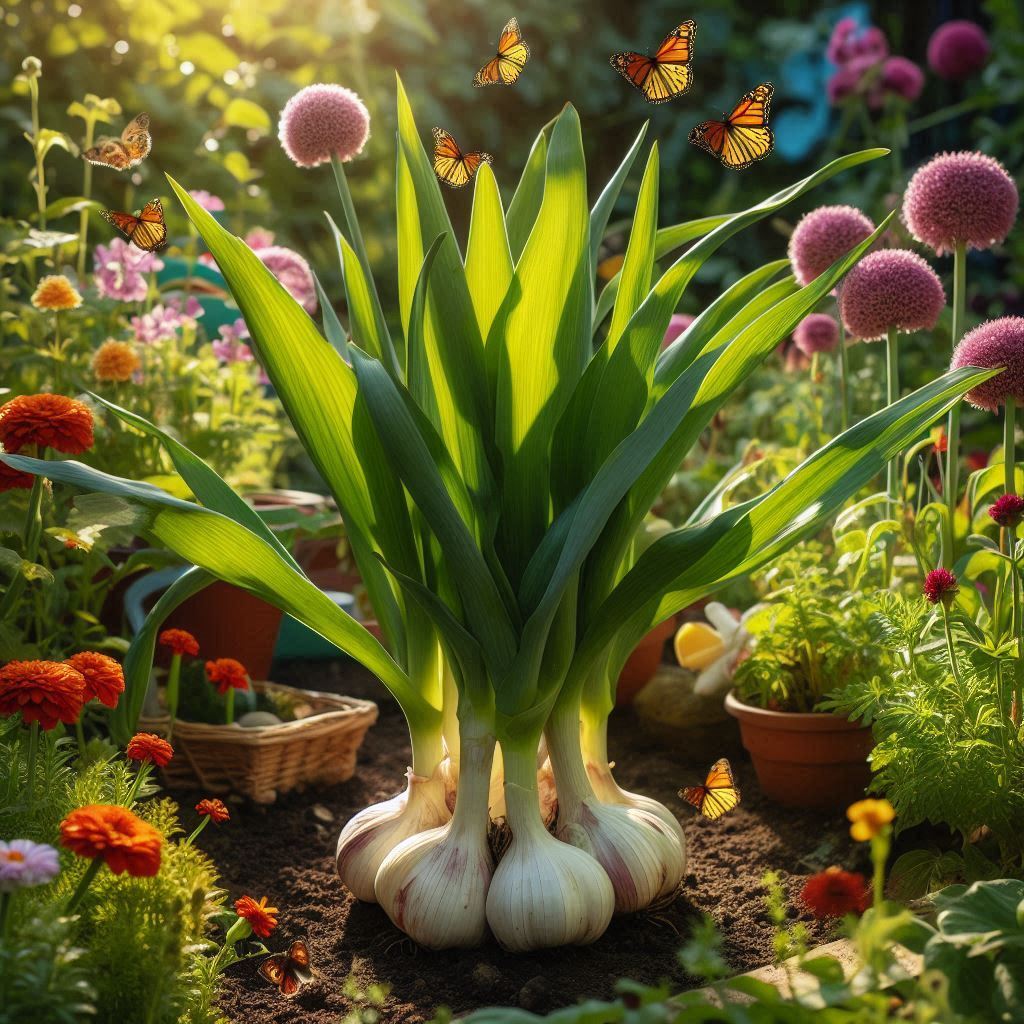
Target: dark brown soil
(286,853)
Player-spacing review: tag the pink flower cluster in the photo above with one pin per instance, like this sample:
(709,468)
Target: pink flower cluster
(292,272)
(230,347)
(676,325)
(165,320)
(865,68)
(118,270)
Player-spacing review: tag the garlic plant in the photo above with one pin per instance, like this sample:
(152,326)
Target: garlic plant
(493,446)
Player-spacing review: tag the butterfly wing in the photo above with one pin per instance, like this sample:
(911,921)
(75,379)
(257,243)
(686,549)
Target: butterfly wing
(136,140)
(677,46)
(274,969)
(126,223)
(744,138)
(299,960)
(507,65)
(694,795)
(108,152)
(451,165)
(666,75)
(718,795)
(634,67)
(150,233)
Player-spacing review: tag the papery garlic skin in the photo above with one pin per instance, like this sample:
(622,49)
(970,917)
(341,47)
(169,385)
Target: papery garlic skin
(373,833)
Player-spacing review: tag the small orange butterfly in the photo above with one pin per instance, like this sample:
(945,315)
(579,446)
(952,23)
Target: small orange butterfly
(507,64)
(744,136)
(128,151)
(146,229)
(451,165)
(718,795)
(288,971)
(667,74)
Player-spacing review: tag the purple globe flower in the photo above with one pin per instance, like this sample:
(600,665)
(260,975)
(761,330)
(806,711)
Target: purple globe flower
(24,863)
(293,272)
(996,343)
(322,121)
(842,84)
(901,77)
(893,289)
(958,49)
(823,236)
(678,323)
(960,198)
(816,333)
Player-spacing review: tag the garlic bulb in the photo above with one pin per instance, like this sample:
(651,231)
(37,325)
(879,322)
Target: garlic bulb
(373,833)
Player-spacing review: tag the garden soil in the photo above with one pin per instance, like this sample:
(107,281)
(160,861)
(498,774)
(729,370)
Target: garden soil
(285,851)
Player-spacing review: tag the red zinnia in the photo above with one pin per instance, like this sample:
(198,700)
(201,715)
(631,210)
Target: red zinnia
(144,746)
(121,839)
(226,673)
(46,692)
(213,809)
(14,479)
(940,585)
(834,892)
(50,421)
(261,918)
(180,641)
(104,677)
(1008,510)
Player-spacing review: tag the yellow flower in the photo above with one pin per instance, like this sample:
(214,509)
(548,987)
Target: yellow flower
(56,292)
(115,361)
(869,817)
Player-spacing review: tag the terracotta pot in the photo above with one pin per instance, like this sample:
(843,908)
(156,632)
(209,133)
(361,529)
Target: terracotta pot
(643,662)
(816,760)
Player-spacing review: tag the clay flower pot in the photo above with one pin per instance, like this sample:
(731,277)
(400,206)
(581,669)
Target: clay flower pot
(643,662)
(815,759)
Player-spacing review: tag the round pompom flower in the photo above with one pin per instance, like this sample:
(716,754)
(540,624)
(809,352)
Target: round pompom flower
(145,746)
(115,362)
(322,121)
(893,289)
(46,692)
(55,292)
(816,333)
(180,641)
(227,674)
(964,198)
(260,918)
(900,76)
(678,323)
(24,863)
(823,236)
(213,809)
(958,49)
(104,677)
(293,273)
(834,892)
(940,585)
(996,343)
(13,479)
(122,840)
(869,817)
(1007,510)
(50,421)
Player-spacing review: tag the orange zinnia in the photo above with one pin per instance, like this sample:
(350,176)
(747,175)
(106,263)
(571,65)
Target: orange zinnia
(214,809)
(56,292)
(180,641)
(145,746)
(122,840)
(14,479)
(104,677)
(226,673)
(260,917)
(46,692)
(115,361)
(50,421)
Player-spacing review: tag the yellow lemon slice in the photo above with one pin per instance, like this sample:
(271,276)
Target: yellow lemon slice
(698,645)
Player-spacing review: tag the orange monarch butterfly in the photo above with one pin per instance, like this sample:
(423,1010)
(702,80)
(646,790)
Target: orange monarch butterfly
(744,136)
(507,64)
(129,150)
(288,971)
(451,165)
(718,795)
(666,75)
(146,229)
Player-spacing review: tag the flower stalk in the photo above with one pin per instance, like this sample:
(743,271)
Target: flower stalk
(953,429)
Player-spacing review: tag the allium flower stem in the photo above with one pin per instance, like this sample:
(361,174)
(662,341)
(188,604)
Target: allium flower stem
(892,394)
(948,629)
(1010,445)
(844,378)
(953,430)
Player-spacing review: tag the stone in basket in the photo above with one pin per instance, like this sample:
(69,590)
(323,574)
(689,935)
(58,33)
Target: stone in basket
(260,762)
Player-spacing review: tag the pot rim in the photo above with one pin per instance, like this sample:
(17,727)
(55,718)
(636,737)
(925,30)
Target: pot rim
(801,721)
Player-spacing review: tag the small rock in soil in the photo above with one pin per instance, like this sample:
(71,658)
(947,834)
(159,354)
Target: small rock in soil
(321,813)
(486,978)
(535,994)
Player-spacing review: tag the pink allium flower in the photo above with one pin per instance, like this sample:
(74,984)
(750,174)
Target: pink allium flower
(960,197)
(996,343)
(208,201)
(24,863)
(871,43)
(816,333)
(118,270)
(892,288)
(676,325)
(958,49)
(1007,510)
(823,236)
(842,84)
(259,238)
(940,585)
(900,76)
(293,272)
(165,320)
(230,347)
(322,121)
(840,48)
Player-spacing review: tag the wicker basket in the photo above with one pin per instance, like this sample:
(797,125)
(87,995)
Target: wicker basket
(261,762)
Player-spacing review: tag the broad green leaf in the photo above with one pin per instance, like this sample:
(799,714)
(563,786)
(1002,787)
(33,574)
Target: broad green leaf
(243,113)
(526,200)
(488,259)
(70,204)
(605,204)
(333,330)
(366,329)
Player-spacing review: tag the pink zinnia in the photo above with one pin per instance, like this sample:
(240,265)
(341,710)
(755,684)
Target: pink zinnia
(230,347)
(996,343)
(958,49)
(322,121)
(118,270)
(676,325)
(207,200)
(1007,510)
(816,333)
(890,289)
(960,198)
(940,585)
(823,236)
(293,272)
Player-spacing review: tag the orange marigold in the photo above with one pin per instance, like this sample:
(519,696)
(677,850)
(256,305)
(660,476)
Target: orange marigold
(226,673)
(145,746)
(115,361)
(180,641)
(114,834)
(46,692)
(261,918)
(104,677)
(50,421)
(14,479)
(56,292)
(213,809)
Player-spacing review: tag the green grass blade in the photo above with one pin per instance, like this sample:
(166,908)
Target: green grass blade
(488,258)
(333,331)
(605,204)
(525,205)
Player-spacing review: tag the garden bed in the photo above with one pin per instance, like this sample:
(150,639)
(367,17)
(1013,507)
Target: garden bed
(286,852)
